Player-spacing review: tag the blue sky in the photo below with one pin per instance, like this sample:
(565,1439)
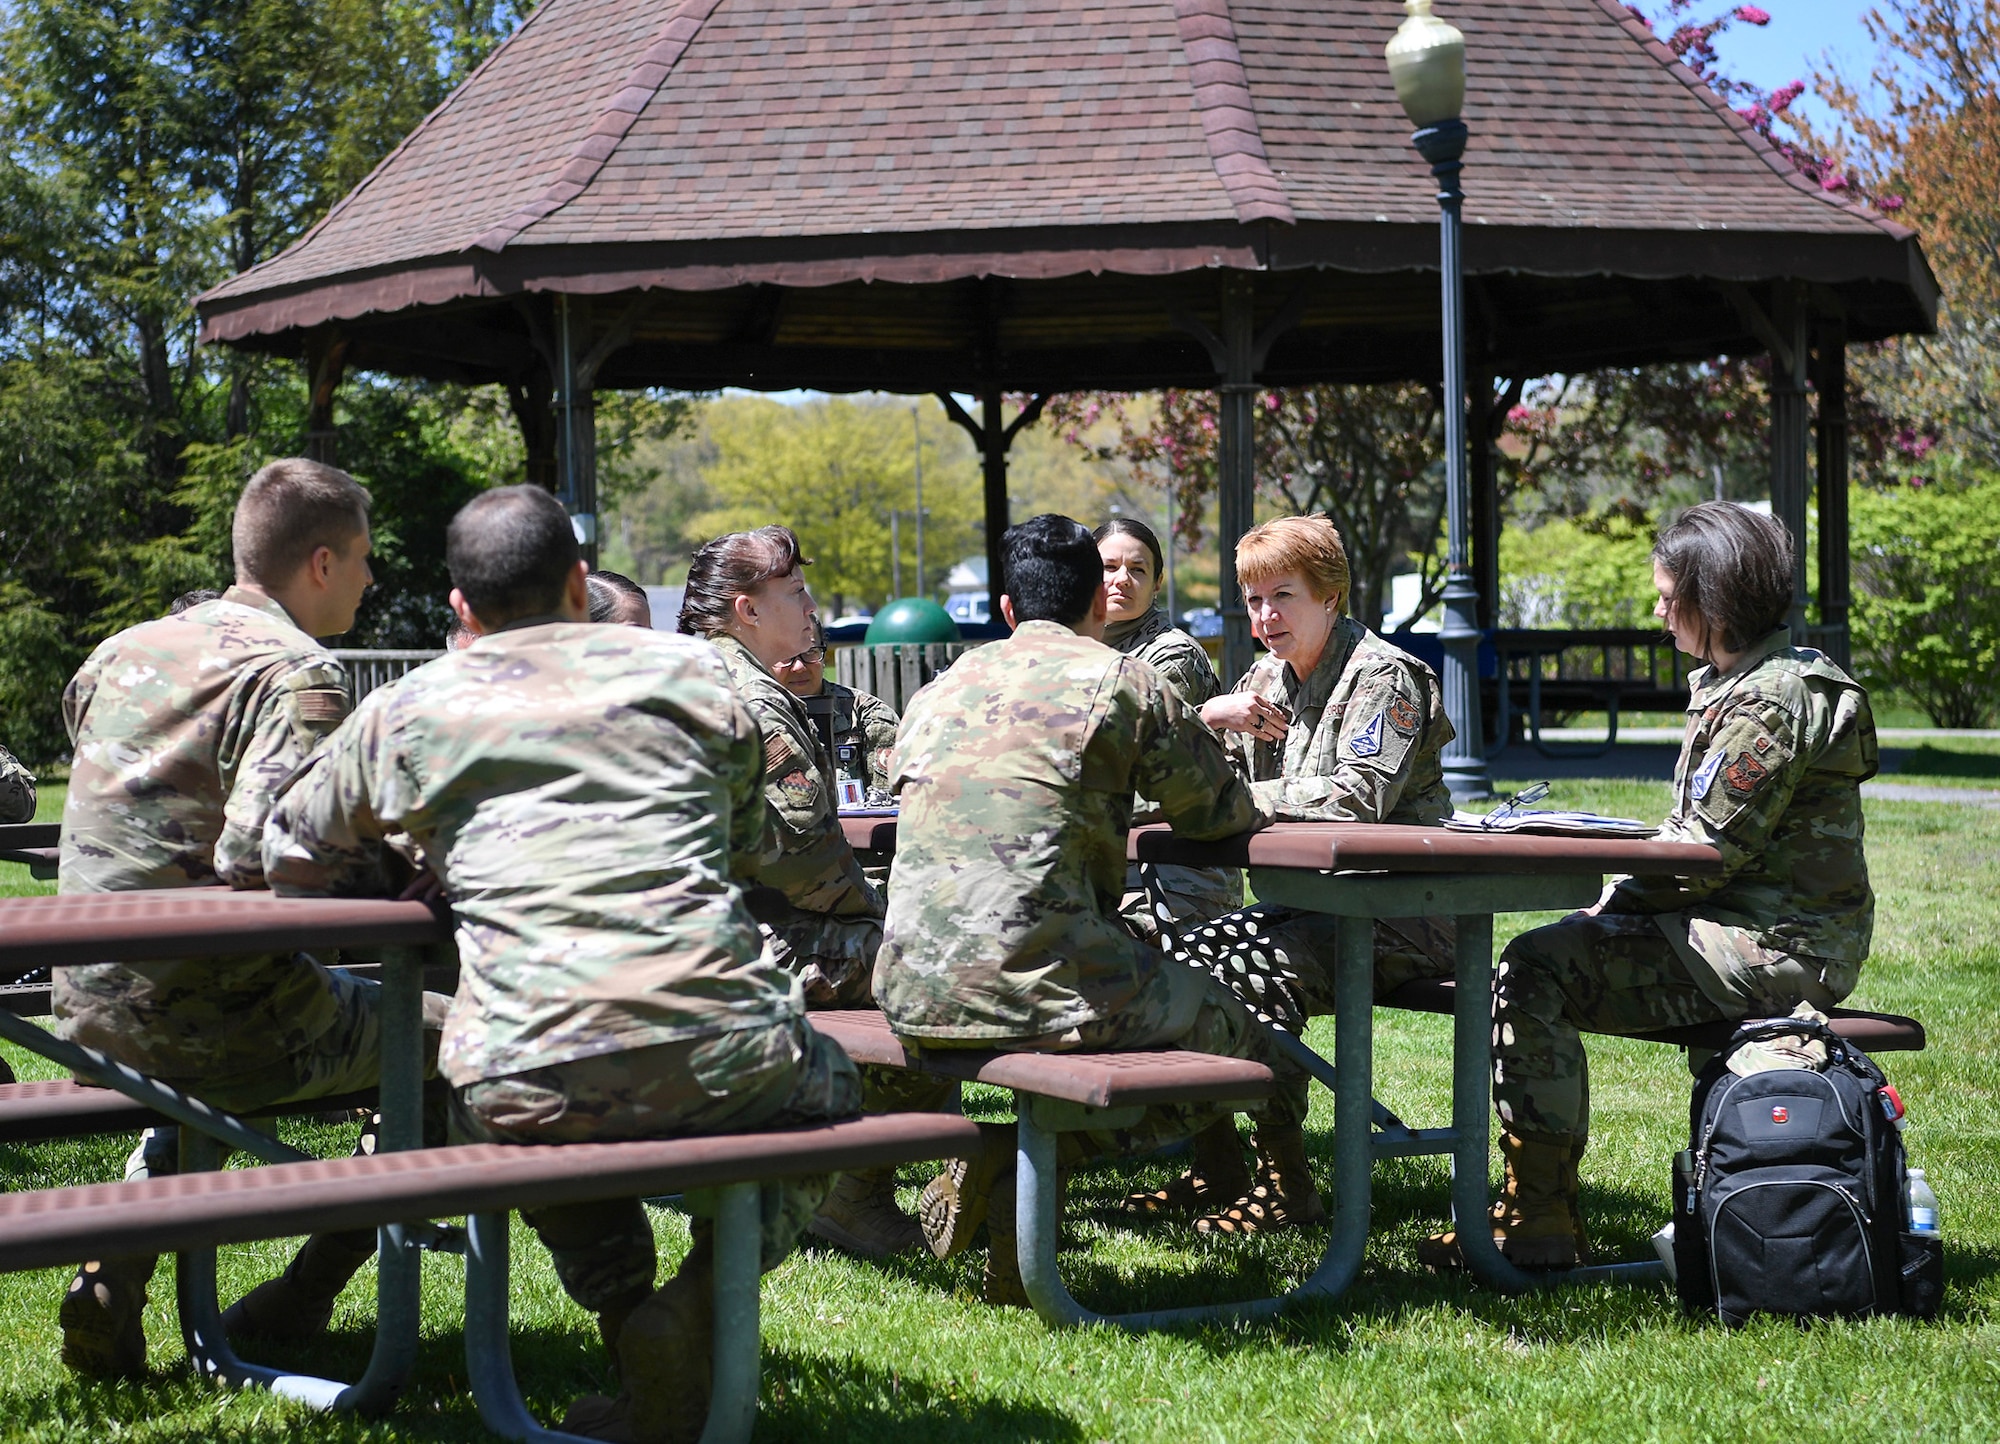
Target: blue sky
(1789,48)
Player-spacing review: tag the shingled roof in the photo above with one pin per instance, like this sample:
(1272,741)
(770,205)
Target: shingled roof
(722,148)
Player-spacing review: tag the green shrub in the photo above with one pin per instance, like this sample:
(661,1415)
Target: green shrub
(1593,572)
(1926,619)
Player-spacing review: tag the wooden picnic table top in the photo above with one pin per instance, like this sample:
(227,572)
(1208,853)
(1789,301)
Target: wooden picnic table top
(164,924)
(1383,847)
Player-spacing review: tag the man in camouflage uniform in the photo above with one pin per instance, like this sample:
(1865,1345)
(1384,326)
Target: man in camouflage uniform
(1779,741)
(1016,771)
(590,800)
(185,728)
(17,790)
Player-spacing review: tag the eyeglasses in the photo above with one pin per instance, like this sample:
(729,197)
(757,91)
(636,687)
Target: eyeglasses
(810,657)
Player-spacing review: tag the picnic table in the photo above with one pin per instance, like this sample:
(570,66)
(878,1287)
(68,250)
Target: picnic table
(1357,872)
(138,927)
(33,844)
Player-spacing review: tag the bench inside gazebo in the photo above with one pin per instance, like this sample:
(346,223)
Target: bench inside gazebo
(1014,200)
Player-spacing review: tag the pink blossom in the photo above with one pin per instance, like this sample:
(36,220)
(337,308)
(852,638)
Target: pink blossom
(1751,15)
(1889,204)
(1520,416)
(1756,115)
(1784,95)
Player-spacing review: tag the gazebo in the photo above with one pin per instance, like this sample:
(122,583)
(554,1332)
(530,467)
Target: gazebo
(977,197)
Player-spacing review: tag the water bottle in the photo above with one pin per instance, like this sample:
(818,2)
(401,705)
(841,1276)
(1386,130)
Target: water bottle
(1923,1204)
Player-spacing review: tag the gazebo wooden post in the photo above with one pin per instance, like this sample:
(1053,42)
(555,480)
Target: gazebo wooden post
(326,362)
(1830,381)
(1789,479)
(576,420)
(994,441)
(1236,464)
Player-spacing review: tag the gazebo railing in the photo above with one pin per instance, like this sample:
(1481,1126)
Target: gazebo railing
(369,668)
(1604,669)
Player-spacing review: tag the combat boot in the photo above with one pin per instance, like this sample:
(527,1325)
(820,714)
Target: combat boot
(860,1216)
(103,1317)
(298,1304)
(1283,1195)
(1537,1222)
(1219,1175)
(954,1205)
(666,1363)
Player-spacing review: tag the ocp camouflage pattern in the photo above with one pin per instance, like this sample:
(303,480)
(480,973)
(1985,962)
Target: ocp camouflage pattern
(830,940)
(590,798)
(185,729)
(17,790)
(1770,774)
(1016,771)
(1367,731)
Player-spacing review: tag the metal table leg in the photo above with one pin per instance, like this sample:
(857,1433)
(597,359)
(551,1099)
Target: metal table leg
(398,1259)
(732,1410)
(1353,1111)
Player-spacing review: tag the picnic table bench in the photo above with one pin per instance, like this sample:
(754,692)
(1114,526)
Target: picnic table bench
(35,844)
(1058,1093)
(399,1185)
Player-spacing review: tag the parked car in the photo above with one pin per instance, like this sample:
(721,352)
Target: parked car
(963,607)
(1202,622)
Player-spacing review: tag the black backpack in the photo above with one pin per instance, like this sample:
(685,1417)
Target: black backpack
(1790,1197)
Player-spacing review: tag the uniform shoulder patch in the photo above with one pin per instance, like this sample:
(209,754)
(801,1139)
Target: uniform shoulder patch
(780,757)
(1404,716)
(1704,777)
(1745,775)
(322,704)
(1368,741)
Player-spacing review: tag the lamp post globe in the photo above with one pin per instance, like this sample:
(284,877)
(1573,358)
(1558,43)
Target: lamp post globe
(1427,65)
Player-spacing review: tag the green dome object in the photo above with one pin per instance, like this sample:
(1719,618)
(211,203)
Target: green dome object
(911,619)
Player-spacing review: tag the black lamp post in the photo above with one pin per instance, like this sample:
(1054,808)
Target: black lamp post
(1427,62)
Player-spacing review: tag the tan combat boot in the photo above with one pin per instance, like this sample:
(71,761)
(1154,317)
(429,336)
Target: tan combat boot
(1537,1222)
(860,1216)
(102,1318)
(666,1363)
(1283,1196)
(954,1205)
(298,1304)
(1218,1176)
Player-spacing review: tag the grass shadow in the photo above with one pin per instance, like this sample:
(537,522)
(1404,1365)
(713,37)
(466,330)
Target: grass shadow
(816,1397)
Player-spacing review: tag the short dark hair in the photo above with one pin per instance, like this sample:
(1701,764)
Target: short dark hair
(1732,567)
(1140,533)
(191,599)
(511,551)
(611,591)
(288,511)
(733,566)
(1051,569)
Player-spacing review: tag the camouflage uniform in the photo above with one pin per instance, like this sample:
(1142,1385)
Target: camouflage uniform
(1367,730)
(185,728)
(1016,771)
(1191,894)
(589,798)
(868,725)
(1770,773)
(17,790)
(835,923)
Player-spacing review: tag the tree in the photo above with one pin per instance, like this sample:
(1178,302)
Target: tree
(833,470)
(1927,599)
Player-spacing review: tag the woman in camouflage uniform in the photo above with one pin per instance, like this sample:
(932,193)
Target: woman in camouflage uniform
(746,592)
(1334,724)
(1779,741)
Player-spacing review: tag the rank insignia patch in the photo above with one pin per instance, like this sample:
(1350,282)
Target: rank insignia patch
(1745,775)
(1404,717)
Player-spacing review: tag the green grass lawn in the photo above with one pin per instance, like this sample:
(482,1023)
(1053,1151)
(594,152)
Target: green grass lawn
(906,1352)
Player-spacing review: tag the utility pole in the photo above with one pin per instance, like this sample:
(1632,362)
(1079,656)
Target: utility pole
(917,430)
(895,555)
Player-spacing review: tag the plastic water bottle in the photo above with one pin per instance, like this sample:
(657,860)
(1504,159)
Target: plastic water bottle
(1923,1204)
